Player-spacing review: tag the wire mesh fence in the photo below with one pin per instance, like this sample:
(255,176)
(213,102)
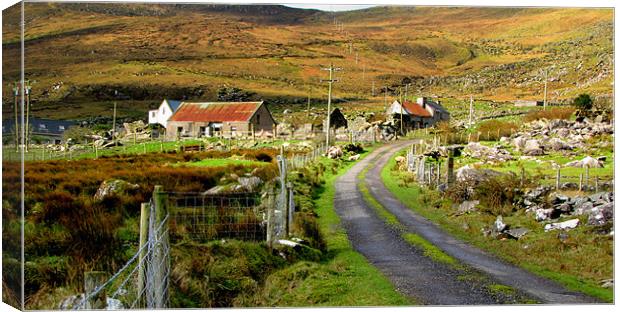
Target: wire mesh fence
(206,217)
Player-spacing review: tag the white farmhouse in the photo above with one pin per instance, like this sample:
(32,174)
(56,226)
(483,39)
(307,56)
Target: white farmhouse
(163,113)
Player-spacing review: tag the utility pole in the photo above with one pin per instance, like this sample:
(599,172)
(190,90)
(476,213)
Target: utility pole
(27,89)
(114,120)
(373,88)
(401,110)
(471,110)
(330,81)
(308,108)
(356,57)
(406,90)
(385,99)
(545,96)
(16,128)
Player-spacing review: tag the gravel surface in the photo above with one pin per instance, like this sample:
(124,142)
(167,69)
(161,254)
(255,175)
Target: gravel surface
(418,276)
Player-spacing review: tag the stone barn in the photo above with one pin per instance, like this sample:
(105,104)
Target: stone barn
(228,119)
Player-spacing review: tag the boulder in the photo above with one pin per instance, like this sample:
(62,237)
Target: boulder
(600,215)
(469,174)
(113,187)
(543,214)
(334,152)
(533,148)
(558,145)
(354,157)
(517,233)
(499,224)
(519,143)
(468,206)
(586,162)
(566,225)
(250,184)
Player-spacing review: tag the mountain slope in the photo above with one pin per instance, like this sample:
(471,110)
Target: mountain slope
(77,54)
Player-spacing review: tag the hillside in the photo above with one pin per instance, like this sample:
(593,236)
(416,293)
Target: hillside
(78,54)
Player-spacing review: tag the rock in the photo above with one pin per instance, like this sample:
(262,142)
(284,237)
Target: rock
(114,304)
(468,206)
(586,162)
(250,184)
(533,148)
(600,215)
(607,283)
(558,145)
(519,143)
(517,233)
(112,187)
(334,152)
(467,173)
(543,214)
(218,189)
(71,302)
(400,159)
(566,225)
(557,199)
(354,157)
(499,224)
(538,194)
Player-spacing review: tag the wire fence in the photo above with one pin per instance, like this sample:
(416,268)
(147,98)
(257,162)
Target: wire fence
(204,217)
(142,282)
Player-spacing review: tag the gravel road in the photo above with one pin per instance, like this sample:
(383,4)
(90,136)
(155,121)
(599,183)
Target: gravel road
(418,276)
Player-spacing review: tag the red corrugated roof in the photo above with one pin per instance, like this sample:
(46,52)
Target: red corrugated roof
(215,111)
(416,109)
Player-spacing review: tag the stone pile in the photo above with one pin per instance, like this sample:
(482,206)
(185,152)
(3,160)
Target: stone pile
(490,154)
(545,206)
(137,129)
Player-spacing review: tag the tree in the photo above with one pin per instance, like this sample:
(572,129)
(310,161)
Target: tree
(583,104)
(77,134)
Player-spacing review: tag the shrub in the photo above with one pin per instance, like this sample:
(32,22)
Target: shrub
(553,113)
(497,194)
(583,104)
(493,130)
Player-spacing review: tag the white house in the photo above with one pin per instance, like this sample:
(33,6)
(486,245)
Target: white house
(163,113)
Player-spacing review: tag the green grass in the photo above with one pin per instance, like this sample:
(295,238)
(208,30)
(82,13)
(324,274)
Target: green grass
(430,250)
(578,264)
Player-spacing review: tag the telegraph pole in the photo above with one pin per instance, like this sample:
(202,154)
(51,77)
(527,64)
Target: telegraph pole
(401,110)
(27,89)
(330,81)
(373,88)
(385,99)
(545,96)
(308,107)
(471,109)
(114,121)
(16,93)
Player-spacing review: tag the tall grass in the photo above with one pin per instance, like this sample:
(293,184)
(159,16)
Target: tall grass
(552,113)
(493,130)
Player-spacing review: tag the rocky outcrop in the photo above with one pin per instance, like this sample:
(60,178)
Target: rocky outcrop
(114,187)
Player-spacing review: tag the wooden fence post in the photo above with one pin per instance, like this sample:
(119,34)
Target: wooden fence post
(581,181)
(289,208)
(587,176)
(557,179)
(161,212)
(450,168)
(596,184)
(92,280)
(522,177)
(270,211)
(145,212)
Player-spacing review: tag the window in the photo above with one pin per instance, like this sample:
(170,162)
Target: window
(258,119)
(163,110)
(42,126)
(153,114)
(61,128)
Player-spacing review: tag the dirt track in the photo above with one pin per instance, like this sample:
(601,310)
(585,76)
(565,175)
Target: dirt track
(416,275)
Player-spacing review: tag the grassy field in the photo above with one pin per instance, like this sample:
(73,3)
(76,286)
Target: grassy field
(579,263)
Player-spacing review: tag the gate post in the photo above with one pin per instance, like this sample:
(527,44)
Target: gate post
(145,212)
(270,209)
(160,254)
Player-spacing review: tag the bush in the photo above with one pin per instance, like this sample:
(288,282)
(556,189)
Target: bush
(493,130)
(553,113)
(583,104)
(497,194)
(353,148)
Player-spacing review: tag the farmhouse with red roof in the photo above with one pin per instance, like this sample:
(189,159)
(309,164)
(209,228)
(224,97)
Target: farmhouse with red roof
(419,114)
(228,119)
